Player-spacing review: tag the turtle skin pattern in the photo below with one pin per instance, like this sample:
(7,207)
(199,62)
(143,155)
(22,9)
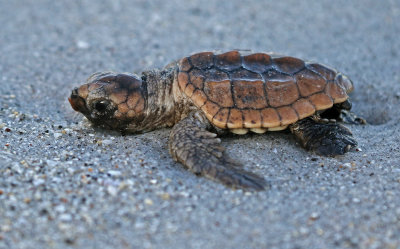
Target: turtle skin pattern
(259,90)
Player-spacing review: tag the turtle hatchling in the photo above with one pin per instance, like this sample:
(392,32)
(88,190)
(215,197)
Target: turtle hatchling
(208,94)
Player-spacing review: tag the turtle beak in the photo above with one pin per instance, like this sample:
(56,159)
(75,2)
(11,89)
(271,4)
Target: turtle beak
(77,102)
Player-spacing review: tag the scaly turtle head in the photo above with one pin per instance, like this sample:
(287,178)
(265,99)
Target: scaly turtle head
(111,100)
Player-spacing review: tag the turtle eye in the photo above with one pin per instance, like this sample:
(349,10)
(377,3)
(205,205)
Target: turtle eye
(101,106)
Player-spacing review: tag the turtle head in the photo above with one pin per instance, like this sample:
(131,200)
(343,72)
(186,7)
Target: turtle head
(111,100)
(345,82)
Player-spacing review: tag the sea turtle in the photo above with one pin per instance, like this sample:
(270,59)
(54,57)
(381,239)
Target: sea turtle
(209,93)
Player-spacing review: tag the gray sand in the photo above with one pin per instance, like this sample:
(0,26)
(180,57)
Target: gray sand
(66,184)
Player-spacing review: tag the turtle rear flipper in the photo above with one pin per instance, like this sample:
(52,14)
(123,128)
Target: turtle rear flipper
(349,117)
(341,113)
(200,151)
(326,139)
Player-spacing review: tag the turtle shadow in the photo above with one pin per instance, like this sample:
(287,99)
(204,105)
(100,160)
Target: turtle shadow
(376,109)
(375,112)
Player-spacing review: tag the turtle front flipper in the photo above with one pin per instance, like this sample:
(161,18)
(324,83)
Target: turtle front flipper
(325,138)
(192,144)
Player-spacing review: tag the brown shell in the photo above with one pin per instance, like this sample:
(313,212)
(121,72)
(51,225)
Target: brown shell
(258,90)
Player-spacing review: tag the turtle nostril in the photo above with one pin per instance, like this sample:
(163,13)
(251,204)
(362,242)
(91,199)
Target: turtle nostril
(75,100)
(74,93)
